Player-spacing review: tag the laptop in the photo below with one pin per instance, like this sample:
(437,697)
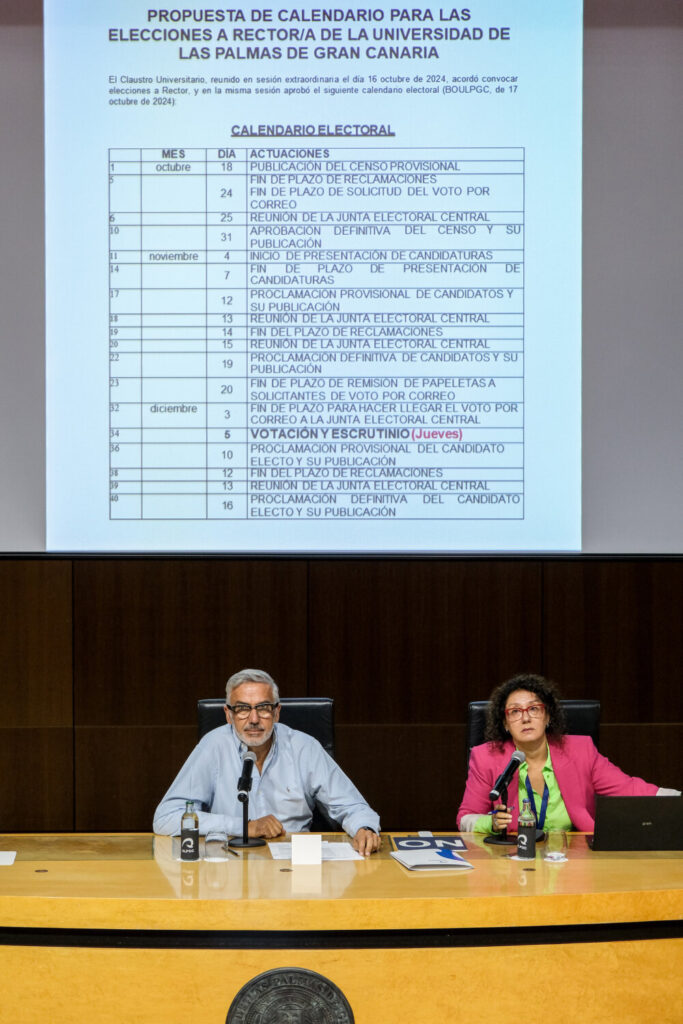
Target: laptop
(636,823)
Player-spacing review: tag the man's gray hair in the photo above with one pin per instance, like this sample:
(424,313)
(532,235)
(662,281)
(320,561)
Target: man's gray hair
(250,675)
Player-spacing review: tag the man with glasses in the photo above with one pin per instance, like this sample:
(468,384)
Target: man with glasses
(291,772)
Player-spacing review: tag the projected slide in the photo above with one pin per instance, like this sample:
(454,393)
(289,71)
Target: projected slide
(313,277)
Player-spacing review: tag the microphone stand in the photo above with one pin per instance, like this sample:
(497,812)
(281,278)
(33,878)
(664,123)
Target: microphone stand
(246,841)
(243,788)
(502,838)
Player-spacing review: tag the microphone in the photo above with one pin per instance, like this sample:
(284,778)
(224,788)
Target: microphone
(244,784)
(503,781)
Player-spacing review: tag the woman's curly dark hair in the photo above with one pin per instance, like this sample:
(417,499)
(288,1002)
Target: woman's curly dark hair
(542,688)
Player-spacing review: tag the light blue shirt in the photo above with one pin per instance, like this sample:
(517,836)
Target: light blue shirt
(296,772)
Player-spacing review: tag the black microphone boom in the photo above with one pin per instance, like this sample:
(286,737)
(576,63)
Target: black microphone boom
(244,784)
(503,781)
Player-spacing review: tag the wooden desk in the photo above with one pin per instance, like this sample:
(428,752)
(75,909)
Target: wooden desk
(112,928)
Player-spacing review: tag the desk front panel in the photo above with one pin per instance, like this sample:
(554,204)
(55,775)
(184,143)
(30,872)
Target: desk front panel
(629,982)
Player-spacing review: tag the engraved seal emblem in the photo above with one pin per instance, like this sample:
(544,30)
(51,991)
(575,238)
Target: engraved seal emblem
(290,995)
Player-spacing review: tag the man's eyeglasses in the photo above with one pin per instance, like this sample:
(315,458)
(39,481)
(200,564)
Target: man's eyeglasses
(533,711)
(264,710)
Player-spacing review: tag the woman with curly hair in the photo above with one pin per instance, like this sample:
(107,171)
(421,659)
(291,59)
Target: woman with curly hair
(561,775)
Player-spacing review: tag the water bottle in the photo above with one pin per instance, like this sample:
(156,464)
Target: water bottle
(189,833)
(526,833)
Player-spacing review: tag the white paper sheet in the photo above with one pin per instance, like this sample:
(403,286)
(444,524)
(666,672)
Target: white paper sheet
(330,851)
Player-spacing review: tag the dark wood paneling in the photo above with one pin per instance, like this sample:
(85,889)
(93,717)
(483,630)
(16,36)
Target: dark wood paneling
(412,775)
(612,630)
(124,772)
(36,769)
(413,641)
(151,637)
(35,643)
(651,751)
(401,645)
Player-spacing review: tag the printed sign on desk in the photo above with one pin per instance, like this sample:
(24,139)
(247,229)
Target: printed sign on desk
(428,843)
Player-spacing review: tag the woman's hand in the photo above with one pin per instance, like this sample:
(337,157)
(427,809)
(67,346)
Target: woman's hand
(501,818)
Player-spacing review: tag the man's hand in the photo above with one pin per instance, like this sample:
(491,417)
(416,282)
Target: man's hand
(366,841)
(267,828)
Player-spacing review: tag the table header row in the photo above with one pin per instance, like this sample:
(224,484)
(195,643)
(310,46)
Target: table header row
(271,152)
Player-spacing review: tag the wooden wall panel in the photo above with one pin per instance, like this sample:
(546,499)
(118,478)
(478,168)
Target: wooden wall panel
(153,636)
(35,643)
(412,775)
(36,769)
(402,645)
(412,641)
(124,772)
(612,629)
(36,695)
(651,751)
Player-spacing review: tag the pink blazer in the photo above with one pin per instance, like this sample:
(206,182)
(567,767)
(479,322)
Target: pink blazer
(581,773)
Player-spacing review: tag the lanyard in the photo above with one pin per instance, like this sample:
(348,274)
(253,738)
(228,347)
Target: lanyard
(544,802)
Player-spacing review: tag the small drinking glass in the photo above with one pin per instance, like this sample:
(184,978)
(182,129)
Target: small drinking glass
(556,847)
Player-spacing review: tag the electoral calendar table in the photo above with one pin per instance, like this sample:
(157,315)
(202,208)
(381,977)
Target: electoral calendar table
(317,331)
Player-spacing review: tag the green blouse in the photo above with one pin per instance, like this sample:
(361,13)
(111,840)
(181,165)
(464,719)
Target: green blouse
(556,819)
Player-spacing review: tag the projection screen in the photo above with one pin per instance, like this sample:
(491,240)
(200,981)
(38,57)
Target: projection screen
(313,277)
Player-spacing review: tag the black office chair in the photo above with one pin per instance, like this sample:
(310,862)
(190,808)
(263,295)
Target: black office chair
(582,718)
(312,715)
